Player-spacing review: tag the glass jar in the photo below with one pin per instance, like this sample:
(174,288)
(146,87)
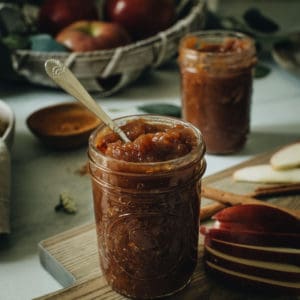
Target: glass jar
(147,216)
(216,86)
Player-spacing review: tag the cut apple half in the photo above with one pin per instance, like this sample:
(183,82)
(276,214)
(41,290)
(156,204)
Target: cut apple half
(239,279)
(286,158)
(272,254)
(266,174)
(264,239)
(276,271)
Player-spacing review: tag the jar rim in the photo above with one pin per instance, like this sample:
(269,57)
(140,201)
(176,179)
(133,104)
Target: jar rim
(248,53)
(197,152)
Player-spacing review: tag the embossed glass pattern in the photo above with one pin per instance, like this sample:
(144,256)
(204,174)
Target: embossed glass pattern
(147,218)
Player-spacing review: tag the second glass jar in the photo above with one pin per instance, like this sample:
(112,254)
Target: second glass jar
(216,86)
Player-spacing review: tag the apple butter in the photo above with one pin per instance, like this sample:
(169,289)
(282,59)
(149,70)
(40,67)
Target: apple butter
(216,87)
(146,200)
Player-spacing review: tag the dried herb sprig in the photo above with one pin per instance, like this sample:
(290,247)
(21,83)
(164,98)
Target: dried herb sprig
(66,204)
(164,109)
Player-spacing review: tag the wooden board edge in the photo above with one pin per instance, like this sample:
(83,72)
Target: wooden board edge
(52,266)
(67,234)
(50,263)
(89,285)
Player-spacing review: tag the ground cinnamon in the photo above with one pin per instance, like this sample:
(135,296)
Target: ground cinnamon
(61,120)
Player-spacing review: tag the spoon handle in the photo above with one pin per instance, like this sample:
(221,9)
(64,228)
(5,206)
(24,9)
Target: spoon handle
(62,75)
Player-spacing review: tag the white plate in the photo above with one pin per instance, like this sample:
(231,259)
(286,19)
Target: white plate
(7,115)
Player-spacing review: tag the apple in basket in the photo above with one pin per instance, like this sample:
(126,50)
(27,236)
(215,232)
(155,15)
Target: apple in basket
(57,14)
(84,36)
(141,18)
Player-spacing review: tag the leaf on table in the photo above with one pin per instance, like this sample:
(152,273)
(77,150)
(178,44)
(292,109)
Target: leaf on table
(261,71)
(257,21)
(161,109)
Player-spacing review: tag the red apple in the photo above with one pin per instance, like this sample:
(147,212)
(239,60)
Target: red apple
(141,18)
(275,254)
(277,271)
(254,216)
(54,15)
(267,239)
(84,36)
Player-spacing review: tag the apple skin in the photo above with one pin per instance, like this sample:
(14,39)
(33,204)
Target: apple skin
(54,15)
(255,216)
(258,271)
(141,18)
(255,227)
(238,228)
(267,239)
(261,253)
(83,36)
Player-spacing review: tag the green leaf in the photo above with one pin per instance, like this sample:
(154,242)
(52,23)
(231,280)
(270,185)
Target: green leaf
(161,109)
(66,204)
(15,41)
(261,71)
(257,21)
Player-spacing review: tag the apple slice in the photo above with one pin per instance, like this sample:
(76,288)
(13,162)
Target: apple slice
(242,281)
(286,158)
(277,271)
(255,227)
(259,218)
(267,239)
(266,174)
(274,254)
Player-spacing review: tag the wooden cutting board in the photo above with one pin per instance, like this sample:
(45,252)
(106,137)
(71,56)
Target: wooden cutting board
(72,258)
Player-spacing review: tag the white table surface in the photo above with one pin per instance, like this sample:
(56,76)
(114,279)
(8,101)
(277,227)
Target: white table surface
(39,174)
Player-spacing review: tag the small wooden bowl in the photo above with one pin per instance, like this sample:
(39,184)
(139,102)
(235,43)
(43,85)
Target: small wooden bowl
(63,126)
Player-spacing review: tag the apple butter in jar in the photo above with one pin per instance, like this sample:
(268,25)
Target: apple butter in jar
(216,86)
(146,199)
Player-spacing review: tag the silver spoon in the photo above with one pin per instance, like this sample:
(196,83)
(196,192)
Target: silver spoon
(63,76)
